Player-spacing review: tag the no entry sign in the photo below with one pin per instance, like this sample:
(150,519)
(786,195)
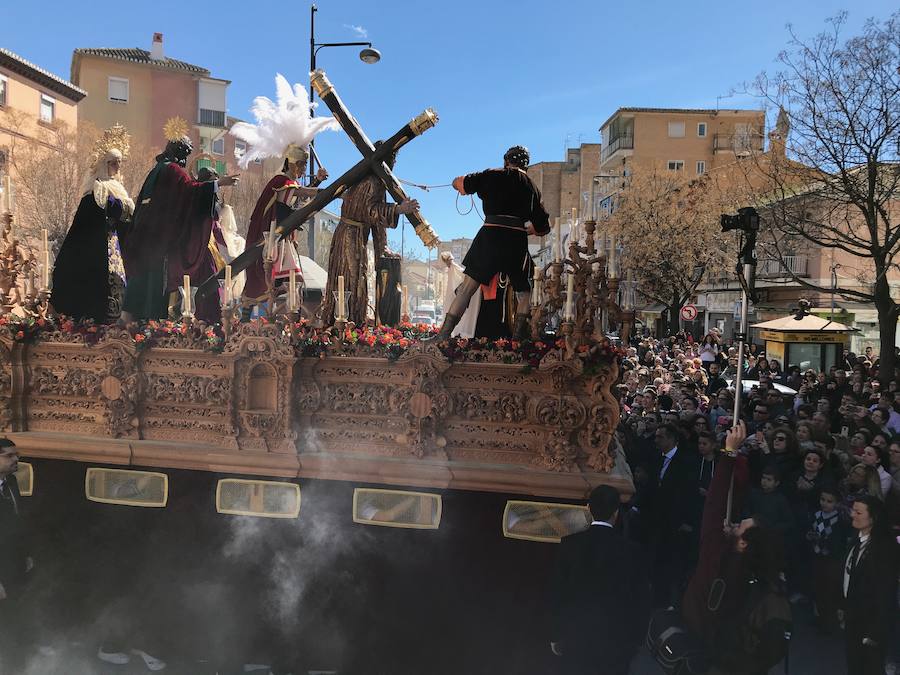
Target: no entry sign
(689,312)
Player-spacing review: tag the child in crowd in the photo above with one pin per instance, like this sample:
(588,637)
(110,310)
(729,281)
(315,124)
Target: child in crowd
(828,537)
(768,504)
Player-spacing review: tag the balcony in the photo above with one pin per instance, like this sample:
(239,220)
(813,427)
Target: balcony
(788,266)
(623,142)
(739,144)
(212,118)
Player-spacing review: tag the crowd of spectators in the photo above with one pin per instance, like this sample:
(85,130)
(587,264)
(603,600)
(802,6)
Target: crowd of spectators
(820,448)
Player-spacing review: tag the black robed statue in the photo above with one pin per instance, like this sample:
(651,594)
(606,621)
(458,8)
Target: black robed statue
(89,276)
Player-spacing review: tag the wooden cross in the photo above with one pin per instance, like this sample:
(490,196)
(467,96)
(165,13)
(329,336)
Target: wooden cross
(351,127)
(373,161)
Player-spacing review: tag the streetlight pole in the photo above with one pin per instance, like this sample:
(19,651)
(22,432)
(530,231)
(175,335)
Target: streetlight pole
(366,55)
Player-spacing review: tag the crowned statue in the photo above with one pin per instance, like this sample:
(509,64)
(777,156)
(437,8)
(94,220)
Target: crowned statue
(89,275)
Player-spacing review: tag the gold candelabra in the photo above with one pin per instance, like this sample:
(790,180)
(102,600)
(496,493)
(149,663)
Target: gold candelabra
(581,288)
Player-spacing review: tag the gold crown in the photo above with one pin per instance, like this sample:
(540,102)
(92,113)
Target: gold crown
(114,138)
(175,129)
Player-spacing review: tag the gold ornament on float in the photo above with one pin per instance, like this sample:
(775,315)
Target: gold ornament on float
(114,138)
(175,129)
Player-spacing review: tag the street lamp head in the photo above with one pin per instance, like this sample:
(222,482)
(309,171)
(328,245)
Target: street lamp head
(370,55)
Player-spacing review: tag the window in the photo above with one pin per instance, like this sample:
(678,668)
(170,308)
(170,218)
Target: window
(701,167)
(676,165)
(543,521)
(676,129)
(240,149)
(397,508)
(25,479)
(701,129)
(126,487)
(261,498)
(48,108)
(218,146)
(3,86)
(118,89)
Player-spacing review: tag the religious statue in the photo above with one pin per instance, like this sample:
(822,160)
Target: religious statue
(89,276)
(364,210)
(373,162)
(283,129)
(173,220)
(498,257)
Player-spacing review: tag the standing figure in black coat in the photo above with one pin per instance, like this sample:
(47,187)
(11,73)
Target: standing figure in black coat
(599,594)
(89,275)
(668,514)
(869,588)
(498,257)
(14,561)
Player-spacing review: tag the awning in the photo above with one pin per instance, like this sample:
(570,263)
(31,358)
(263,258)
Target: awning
(315,278)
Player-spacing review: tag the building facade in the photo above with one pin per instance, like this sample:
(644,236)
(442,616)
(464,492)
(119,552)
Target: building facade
(143,90)
(691,141)
(567,185)
(34,104)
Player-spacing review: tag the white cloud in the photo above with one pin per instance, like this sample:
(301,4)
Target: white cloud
(359,30)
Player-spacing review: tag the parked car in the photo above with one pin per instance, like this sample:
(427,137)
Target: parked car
(422,318)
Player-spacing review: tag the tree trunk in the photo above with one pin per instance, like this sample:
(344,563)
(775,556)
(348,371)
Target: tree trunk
(888,312)
(673,312)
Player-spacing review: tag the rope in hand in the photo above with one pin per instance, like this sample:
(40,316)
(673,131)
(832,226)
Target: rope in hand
(427,188)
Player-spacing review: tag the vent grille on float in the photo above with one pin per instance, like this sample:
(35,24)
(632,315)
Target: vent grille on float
(397,508)
(261,498)
(126,487)
(543,521)
(25,479)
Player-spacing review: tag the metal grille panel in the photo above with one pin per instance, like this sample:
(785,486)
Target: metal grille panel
(543,521)
(260,498)
(397,508)
(127,487)
(25,479)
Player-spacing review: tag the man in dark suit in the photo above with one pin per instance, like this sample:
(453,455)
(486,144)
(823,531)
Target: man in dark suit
(669,515)
(14,560)
(599,594)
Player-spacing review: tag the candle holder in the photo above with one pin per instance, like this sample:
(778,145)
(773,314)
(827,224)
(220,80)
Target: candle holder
(567,329)
(594,292)
(187,303)
(340,306)
(229,316)
(270,287)
(42,304)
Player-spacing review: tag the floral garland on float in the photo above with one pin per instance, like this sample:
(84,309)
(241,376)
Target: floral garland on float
(309,341)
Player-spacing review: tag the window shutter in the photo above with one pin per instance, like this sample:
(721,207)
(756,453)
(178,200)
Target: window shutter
(118,89)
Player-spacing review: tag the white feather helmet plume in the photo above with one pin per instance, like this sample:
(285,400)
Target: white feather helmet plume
(279,125)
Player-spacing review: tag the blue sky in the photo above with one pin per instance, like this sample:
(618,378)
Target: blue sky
(542,74)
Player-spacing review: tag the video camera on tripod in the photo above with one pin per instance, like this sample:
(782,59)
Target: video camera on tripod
(746,220)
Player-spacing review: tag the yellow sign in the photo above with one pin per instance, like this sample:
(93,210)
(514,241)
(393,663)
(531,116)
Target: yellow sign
(814,337)
(775,350)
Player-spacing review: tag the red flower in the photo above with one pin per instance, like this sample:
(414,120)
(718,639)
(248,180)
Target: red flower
(139,337)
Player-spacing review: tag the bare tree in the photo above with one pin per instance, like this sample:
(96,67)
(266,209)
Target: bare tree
(669,230)
(51,164)
(835,183)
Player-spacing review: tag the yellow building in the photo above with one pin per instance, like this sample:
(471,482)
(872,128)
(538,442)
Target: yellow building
(34,103)
(144,89)
(690,141)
